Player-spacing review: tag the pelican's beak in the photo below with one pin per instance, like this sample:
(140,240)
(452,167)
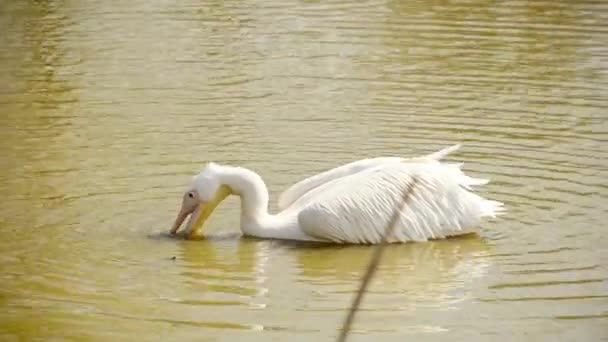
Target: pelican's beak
(183,213)
(200,214)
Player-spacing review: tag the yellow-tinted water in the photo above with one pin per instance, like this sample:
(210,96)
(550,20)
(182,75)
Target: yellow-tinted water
(107,108)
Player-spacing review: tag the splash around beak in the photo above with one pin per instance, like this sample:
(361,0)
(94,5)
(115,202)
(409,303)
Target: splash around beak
(199,214)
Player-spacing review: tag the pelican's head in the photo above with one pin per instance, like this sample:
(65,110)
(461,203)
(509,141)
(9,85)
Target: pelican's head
(202,197)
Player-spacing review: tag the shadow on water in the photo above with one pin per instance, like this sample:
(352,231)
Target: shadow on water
(412,260)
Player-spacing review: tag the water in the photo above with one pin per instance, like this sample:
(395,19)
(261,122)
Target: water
(107,108)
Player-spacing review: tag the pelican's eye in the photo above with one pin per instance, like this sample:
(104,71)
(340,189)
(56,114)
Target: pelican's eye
(191,195)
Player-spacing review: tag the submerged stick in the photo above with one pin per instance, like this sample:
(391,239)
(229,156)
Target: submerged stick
(373,264)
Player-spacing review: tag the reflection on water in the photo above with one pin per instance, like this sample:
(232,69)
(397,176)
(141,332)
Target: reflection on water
(107,109)
(279,278)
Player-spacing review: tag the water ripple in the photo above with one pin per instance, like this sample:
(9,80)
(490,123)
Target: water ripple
(109,109)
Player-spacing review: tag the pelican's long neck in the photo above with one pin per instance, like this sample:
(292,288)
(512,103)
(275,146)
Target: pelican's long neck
(255,219)
(252,190)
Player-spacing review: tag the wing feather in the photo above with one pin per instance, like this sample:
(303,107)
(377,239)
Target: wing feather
(357,208)
(296,191)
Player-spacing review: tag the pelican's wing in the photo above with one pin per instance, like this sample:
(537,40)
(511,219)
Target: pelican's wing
(296,191)
(357,208)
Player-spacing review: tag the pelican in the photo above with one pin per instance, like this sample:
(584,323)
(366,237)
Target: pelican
(350,204)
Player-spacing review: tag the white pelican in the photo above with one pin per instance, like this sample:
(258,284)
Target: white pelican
(352,203)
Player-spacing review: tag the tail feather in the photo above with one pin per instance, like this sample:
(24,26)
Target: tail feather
(492,208)
(443,153)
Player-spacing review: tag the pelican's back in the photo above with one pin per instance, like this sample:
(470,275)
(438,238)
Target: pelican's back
(296,191)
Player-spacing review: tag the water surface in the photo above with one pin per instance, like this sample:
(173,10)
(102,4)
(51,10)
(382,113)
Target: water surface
(107,108)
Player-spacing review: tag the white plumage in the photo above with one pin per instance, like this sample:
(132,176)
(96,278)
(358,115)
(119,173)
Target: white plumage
(354,203)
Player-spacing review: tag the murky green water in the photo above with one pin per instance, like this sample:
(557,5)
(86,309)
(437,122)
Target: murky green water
(107,108)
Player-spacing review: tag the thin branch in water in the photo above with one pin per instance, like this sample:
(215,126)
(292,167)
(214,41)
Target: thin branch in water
(374,262)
